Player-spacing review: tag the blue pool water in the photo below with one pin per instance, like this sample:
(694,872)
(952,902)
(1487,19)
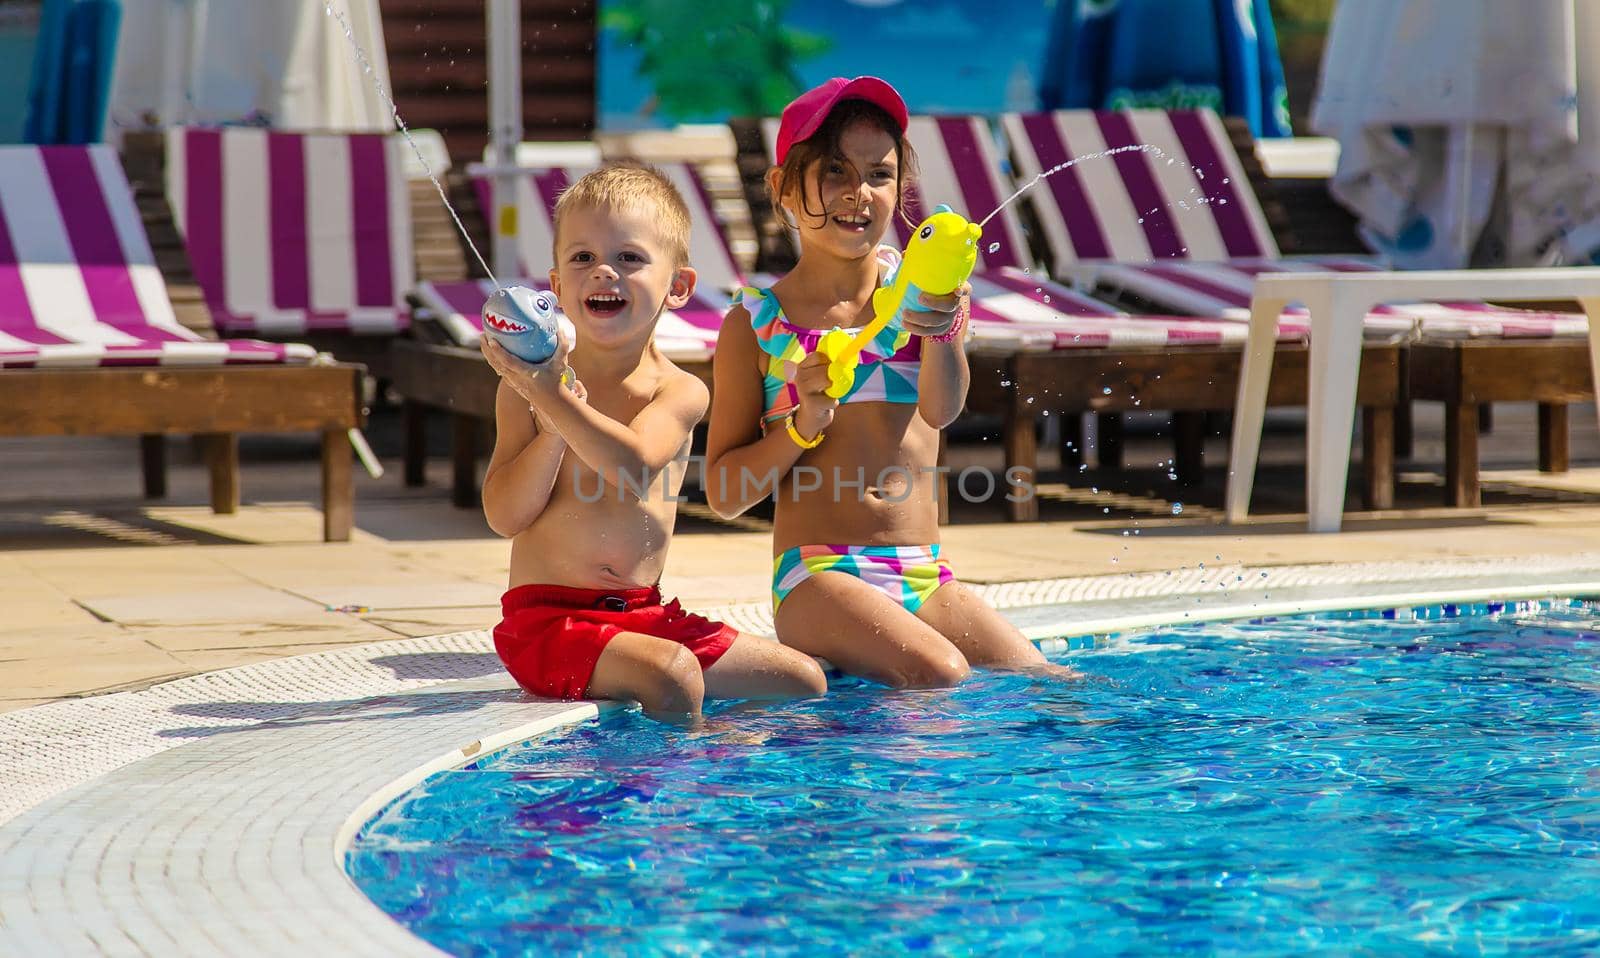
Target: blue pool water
(1353,783)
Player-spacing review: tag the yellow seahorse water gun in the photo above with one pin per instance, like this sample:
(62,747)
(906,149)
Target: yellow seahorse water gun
(938,259)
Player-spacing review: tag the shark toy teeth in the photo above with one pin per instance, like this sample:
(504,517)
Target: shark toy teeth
(524,321)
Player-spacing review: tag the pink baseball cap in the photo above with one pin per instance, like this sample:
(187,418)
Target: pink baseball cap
(802,117)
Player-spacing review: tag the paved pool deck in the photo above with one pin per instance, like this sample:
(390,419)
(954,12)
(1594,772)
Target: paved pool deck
(103,592)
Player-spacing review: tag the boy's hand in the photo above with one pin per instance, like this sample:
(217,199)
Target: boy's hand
(816,408)
(533,383)
(945,309)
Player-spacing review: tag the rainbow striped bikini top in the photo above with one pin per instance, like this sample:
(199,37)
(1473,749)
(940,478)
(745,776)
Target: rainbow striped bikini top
(889,366)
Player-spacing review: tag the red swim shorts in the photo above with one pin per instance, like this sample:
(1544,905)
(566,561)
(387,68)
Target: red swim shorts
(551,635)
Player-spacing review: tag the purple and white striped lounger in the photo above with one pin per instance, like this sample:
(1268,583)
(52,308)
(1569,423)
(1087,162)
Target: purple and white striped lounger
(959,165)
(292,233)
(1182,229)
(78,282)
(1014,308)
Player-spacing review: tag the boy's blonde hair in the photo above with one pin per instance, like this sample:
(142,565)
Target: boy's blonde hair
(632,186)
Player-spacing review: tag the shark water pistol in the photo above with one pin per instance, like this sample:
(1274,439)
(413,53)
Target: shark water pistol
(524,321)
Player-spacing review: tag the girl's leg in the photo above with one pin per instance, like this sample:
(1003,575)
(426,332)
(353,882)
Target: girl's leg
(984,636)
(864,632)
(659,674)
(755,668)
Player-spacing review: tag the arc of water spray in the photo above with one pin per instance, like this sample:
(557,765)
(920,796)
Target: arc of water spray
(377,84)
(1130,148)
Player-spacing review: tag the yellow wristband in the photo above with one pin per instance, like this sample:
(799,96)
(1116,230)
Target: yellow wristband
(788,424)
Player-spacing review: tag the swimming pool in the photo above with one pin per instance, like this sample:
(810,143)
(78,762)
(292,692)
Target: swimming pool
(1361,781)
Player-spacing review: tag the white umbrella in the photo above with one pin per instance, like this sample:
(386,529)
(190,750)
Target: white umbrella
(1459,124)
(287,63)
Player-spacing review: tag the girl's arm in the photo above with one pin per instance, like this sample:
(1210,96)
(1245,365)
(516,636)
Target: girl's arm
(944,379)
(524,468)
(742,466)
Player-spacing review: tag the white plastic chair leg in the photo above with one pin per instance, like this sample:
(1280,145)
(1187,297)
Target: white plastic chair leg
(1250,409)
(1335,363)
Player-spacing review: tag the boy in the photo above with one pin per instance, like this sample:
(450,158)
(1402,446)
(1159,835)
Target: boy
(584,476)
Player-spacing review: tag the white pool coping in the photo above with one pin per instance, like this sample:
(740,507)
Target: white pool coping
(210,815)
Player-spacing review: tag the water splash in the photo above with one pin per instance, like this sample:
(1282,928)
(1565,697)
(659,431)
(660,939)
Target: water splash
(394,111)
(1102,154)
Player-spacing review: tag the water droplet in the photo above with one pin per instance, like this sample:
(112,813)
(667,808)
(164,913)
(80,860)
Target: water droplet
(1263,575)
(1105,390)
(1047,298)
(1124,532)
(994,247)
(1095,490)
(1030,400)
(1106,510)
(1113,558)
(1141,219)
(1224,179)
(1222,201)
(1083,468)
(1177,508)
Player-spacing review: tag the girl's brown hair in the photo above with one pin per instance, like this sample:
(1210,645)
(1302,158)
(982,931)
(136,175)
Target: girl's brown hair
(824,145)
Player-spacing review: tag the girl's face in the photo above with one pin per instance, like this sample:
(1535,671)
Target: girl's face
(857,191)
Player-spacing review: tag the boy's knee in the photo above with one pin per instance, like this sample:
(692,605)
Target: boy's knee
(808,678)
(676,684)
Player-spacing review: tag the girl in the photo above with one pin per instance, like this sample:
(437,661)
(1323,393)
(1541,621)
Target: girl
(857,575)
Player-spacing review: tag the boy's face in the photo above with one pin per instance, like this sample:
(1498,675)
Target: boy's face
(857,192)
(613,274)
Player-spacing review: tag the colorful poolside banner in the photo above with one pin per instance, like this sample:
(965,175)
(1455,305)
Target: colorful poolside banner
(751,57)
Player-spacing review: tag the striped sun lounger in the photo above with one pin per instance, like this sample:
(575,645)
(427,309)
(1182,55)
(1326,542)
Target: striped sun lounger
(90,343)
(79,284)
(1180,227)
(1013,306)
(294,233)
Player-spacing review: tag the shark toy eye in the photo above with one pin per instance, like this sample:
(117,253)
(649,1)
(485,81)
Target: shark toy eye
(540,302)
(925,232)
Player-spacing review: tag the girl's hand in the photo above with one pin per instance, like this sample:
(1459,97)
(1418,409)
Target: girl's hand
(943,315)
(816,408)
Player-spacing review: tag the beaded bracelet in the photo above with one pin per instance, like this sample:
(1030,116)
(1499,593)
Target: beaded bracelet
(959,326)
